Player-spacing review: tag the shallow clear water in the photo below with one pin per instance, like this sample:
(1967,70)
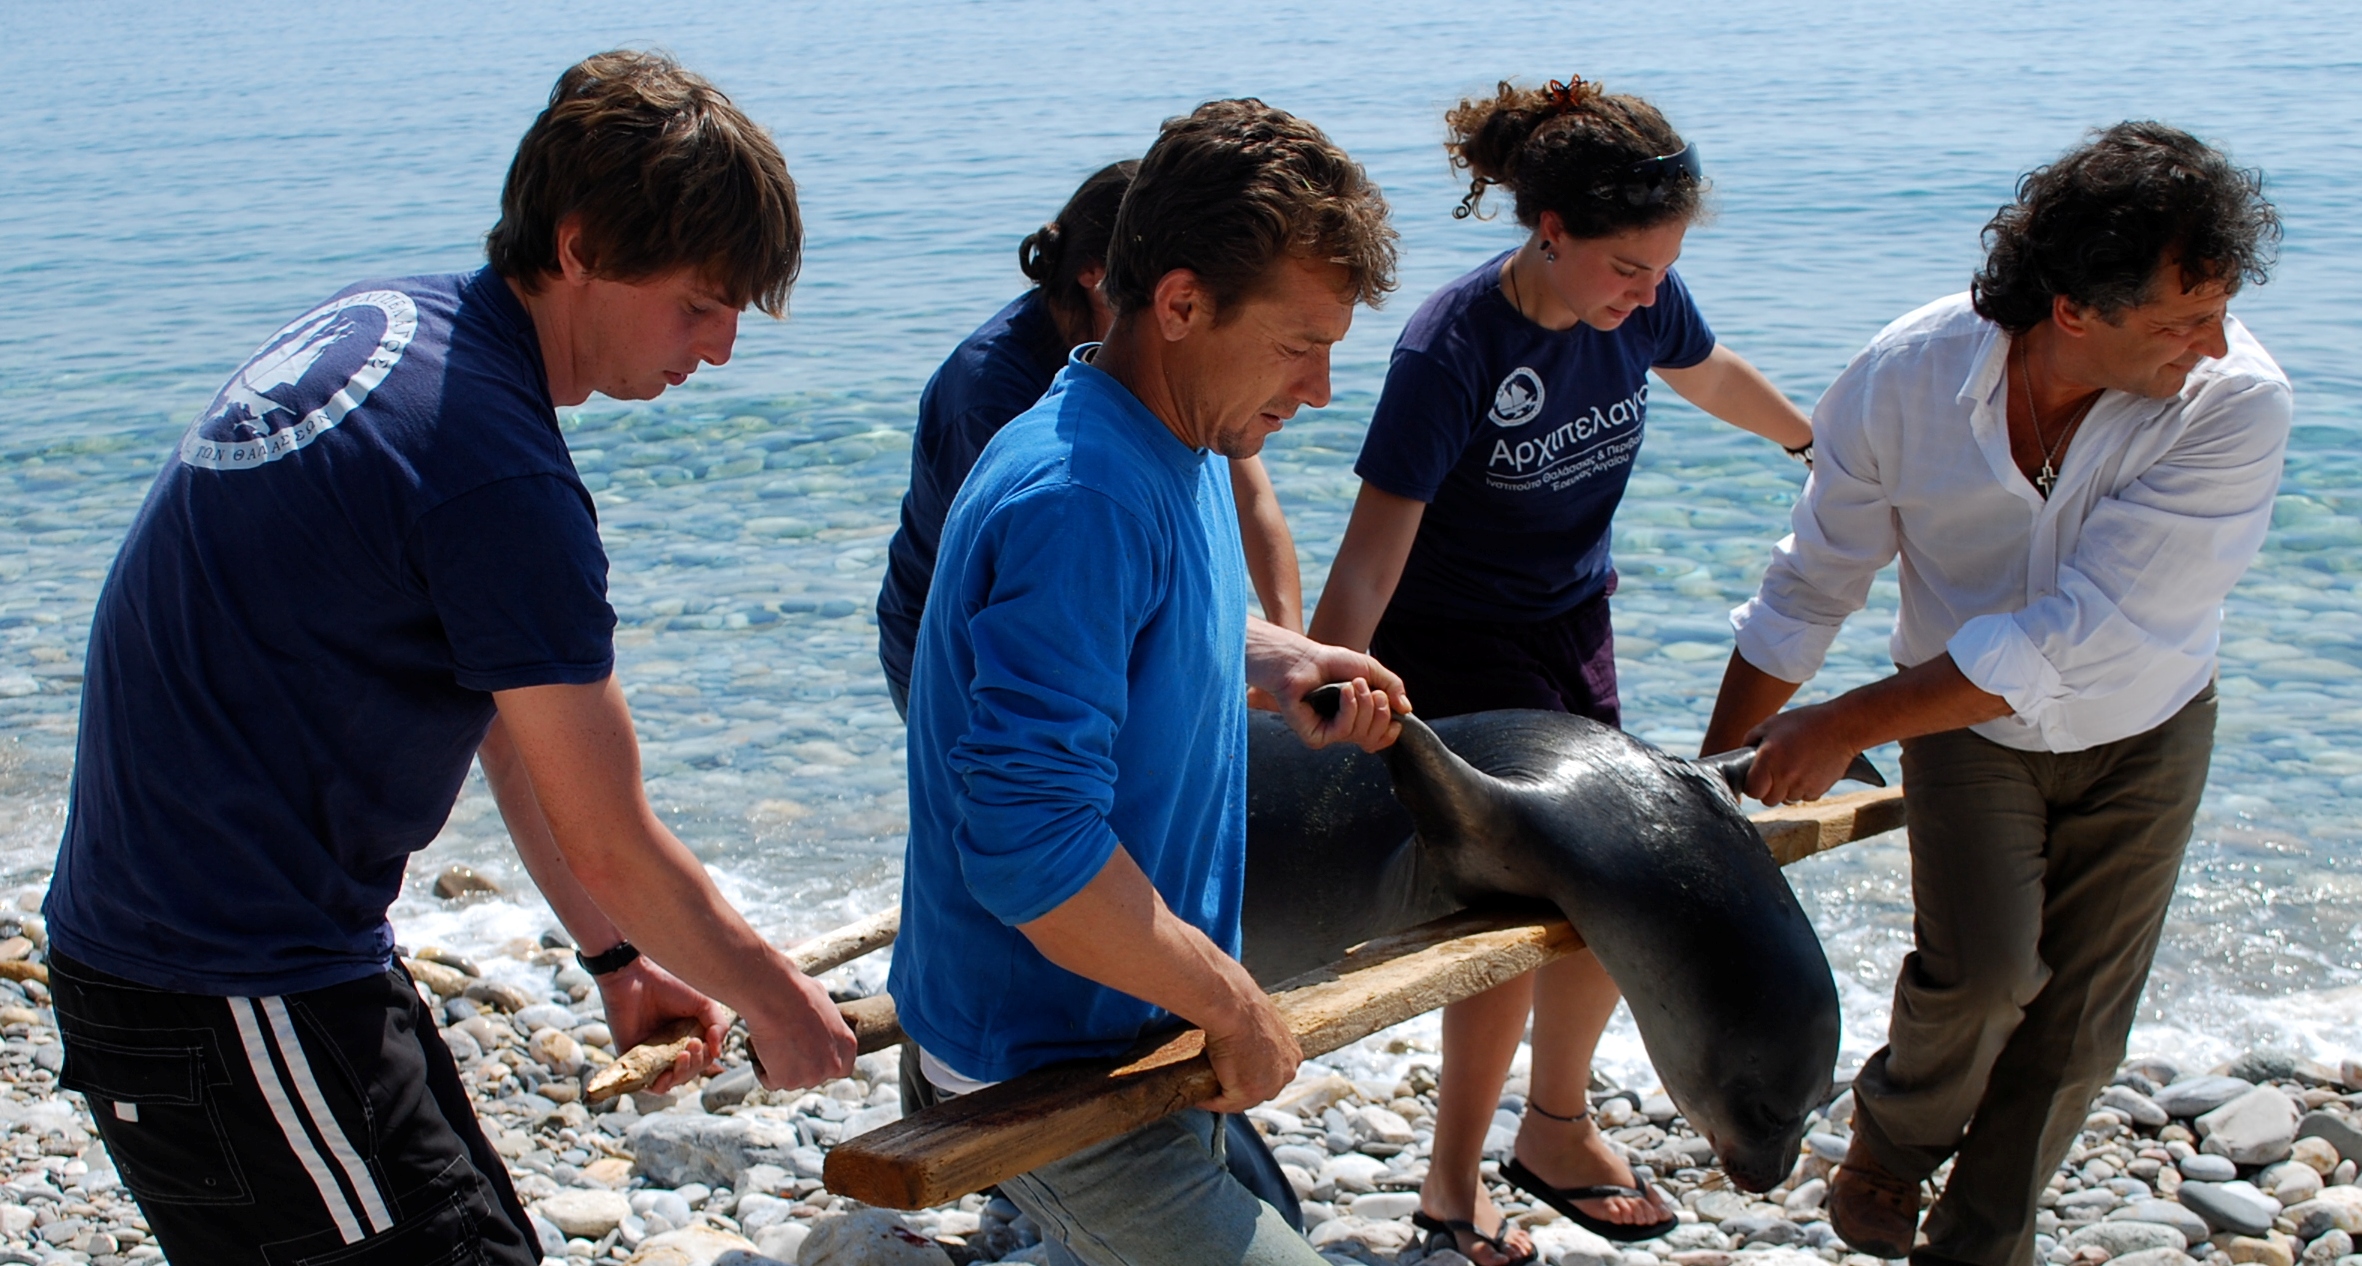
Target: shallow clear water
(177,181)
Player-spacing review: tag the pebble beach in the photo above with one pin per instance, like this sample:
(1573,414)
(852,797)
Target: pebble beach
(169,206)
(2251,1161)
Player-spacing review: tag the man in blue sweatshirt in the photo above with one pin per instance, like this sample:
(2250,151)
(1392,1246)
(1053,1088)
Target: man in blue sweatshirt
(1077,713)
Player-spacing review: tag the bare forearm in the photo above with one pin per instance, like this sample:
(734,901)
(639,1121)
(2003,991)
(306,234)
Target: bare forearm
(1118,932)
(1926,699)
(1270,547)
(1348,613)
(1748,696)
(1368,566)
(585,772)
(512,790)
(662,901)
(1726,385)
(1801,753)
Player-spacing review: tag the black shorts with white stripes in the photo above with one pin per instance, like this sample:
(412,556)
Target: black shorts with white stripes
(321,1127)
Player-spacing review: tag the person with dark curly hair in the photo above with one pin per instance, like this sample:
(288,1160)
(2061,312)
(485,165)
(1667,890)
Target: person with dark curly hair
(2075,459)
(1476,562)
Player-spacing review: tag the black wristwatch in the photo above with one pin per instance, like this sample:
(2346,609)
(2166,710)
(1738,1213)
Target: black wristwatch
(609,962)
(1802,452)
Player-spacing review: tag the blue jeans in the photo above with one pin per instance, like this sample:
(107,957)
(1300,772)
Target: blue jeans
(1162,1195)
(1158,1196)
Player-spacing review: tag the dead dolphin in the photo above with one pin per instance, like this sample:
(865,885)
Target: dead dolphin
(1647,855)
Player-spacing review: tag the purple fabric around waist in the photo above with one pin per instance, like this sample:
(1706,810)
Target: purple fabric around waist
(1563,664)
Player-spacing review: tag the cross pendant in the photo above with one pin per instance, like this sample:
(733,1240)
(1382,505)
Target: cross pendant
(2047,480)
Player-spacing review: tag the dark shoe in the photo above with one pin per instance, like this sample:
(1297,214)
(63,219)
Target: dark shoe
(1563,1199)
(1449,1231)
(1870,1209)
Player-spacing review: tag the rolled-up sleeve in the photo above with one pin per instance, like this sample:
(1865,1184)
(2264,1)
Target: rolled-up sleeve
(1841,533)
(1073,577)
(2154,562)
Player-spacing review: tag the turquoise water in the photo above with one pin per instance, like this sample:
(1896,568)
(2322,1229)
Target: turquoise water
(177,181)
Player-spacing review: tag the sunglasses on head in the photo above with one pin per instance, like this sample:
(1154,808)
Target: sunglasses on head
(1651,180)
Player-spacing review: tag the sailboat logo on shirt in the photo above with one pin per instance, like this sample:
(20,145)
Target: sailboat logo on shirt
(1518,400)
(303,381)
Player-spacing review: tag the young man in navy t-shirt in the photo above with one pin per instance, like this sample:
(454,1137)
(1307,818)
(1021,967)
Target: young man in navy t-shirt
(370,562)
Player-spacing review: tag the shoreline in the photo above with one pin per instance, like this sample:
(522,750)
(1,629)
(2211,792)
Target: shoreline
(721,1167)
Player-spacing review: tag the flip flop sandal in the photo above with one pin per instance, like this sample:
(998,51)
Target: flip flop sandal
(1563,1199)
(1450,1230)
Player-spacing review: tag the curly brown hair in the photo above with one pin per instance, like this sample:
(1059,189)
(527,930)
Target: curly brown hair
(2096,225)
(1229,188)
(1562,148)
(665,174)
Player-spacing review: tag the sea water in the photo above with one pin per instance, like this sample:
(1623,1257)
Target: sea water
(178,181)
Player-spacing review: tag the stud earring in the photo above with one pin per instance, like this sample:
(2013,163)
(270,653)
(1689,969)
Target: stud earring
(1549,253)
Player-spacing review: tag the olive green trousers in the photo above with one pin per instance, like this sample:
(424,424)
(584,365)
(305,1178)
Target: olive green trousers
(2039,882)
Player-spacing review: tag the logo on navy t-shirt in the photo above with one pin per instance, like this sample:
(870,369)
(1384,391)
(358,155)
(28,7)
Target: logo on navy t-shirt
(1518,400)
(303,381)
(1576,449)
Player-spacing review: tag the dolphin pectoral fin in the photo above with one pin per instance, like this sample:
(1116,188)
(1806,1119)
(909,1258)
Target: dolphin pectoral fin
(1733,767)
(1449,799)
(1325,700)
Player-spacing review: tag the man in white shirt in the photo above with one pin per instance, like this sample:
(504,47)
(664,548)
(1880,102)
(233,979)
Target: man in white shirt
(2075,460)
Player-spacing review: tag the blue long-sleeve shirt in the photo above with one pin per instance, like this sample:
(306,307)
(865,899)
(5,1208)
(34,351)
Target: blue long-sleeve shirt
(1079,682)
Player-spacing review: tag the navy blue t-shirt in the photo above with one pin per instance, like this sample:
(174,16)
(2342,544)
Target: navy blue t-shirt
(994,374)
(1520,440)
(370,528)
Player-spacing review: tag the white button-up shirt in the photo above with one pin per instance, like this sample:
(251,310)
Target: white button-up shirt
(2095,614)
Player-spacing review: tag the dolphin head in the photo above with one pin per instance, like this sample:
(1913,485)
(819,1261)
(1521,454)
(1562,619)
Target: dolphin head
(1754,1106)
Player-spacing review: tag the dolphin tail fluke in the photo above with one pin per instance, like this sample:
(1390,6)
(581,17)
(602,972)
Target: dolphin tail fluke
(1733,767)
(1861,770)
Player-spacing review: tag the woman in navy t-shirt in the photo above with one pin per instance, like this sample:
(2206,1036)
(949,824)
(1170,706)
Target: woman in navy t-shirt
(1476,562)
(999,372)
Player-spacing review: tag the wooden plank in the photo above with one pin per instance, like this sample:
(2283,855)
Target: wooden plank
(639,1067)
(1795,832)
(972,1142)
(835,949)
(873,1023)
(871,1019)
(874,1027)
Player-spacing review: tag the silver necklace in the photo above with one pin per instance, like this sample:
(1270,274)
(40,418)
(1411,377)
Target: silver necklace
(2049,478)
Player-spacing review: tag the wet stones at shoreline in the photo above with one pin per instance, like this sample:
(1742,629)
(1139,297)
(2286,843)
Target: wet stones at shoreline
(2251,1163)
(1342,1143)
(60,1197)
